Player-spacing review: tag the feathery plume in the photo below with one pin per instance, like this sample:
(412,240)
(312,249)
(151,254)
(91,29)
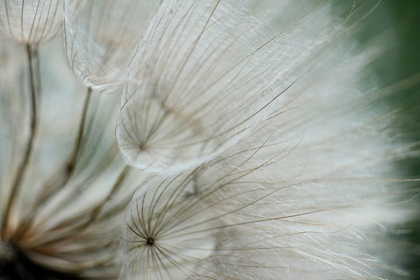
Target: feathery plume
(308,193)
(277,142)
(101,39)
(203,75)
(31,22)
(60,218)
(274,206)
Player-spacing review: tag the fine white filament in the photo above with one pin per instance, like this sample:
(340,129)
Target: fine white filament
(204,74)
(269,142)
(101,38)
(31,21)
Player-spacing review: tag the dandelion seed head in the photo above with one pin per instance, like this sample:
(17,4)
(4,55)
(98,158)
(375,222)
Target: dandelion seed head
(64,220)
(261,209)
(270,144)
(202,76)
(101,38)
(157,209)
(31,21)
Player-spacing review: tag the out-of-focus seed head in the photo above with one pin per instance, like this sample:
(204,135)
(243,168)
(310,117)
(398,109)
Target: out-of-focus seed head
(203,75)
(270,207)
(62,220)
(31,22)
(102,38)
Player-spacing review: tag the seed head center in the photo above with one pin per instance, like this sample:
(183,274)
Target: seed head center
(150,241)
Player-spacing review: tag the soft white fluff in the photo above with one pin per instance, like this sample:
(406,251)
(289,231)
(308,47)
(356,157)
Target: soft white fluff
(101,35)
(31,21)
(274,206)
(68,223)
(308,193)
(203,75)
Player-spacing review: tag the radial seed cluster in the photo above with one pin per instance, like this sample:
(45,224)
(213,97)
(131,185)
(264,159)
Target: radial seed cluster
(198,139)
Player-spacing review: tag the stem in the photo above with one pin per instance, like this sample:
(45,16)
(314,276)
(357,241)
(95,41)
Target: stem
(72,163)
(70,168)
(94,213)
(29,145)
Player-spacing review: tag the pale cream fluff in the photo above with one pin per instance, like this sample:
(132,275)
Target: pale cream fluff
(279,141)
(65,216)
(204,73)
(31,22)
(101,38)
(311,187)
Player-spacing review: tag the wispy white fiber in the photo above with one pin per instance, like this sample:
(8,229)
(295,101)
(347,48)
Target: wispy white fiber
(203,75)
(311,188)
(101,39)
(65,223)
(270,143)
(274,206)
(31,21)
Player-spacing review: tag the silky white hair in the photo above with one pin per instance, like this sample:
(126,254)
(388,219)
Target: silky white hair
(267,208)
(67,212)
(307,192)
(101,36)
(203,75)
(275,142)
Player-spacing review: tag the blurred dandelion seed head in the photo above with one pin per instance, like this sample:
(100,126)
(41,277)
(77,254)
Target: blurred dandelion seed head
(266,142)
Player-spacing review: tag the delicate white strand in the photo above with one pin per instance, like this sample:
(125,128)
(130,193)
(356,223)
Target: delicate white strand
(100,40)
(31,22)
(204,74)
(74,230)
(279,145)
(307,194)
(256,212)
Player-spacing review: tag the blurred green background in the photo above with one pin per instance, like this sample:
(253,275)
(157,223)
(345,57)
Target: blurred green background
(403,17)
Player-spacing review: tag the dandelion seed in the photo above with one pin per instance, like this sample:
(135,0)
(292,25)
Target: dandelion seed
(101,39)
(277,142)
(267,208)
(203,75)
(31,22)
(206,72)
(62,219)
(305,194)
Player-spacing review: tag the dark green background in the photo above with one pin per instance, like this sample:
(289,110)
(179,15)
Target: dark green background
(404,61)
